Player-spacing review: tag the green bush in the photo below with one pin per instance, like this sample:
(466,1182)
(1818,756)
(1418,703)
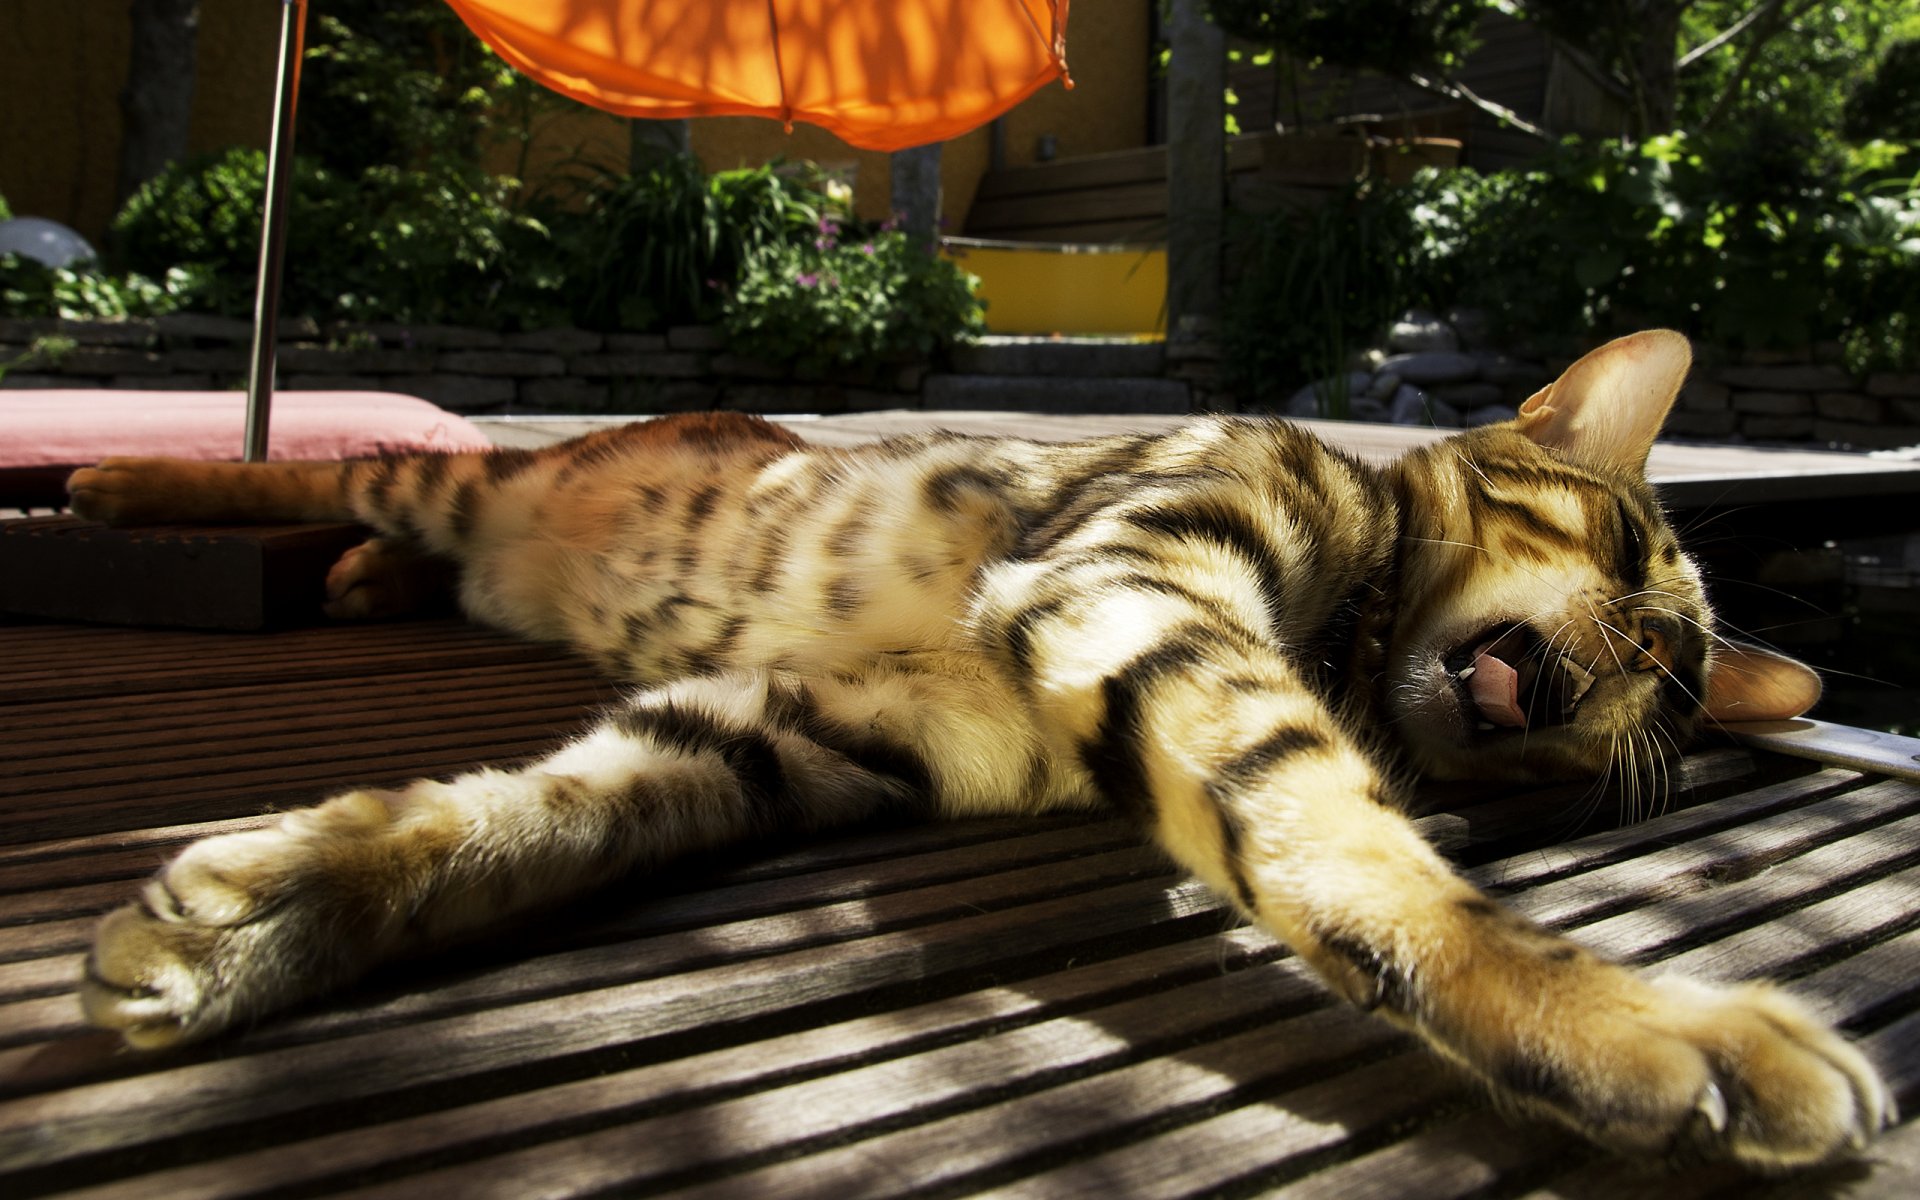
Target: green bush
(659,247)
(1310,289)
(407,245)
(1765,241)
(831,302)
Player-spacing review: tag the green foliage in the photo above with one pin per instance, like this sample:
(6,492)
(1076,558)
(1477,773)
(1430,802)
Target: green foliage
(1310,289)
(408,86)
(410,245)
(44,350)
(1887,103)
(1744,244)
(30,289)
(1795,66)
(1385,35)
(830,302)
(659,246)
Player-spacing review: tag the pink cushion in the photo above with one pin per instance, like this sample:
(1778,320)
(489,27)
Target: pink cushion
(61,427)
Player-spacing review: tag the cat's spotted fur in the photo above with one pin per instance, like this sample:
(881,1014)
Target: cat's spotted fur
(1230,631)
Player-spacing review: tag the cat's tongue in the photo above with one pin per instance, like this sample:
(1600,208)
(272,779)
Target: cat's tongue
(1495,689)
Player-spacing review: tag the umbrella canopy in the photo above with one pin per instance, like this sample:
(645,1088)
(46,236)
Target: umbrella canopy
(881,74)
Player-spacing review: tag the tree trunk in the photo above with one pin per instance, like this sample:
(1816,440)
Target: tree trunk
(1654,64)
(156,106)
(1196,164)
(916,192)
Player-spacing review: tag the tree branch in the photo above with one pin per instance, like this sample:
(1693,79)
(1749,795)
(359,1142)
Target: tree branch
(1780,18)
(1729,33)
(1454,90)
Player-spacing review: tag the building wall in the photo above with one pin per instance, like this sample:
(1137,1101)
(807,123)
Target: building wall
(63,62)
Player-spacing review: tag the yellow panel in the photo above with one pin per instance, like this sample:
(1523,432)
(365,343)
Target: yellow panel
(1050,287)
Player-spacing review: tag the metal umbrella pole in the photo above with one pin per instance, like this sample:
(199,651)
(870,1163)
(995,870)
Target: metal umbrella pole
(273,229)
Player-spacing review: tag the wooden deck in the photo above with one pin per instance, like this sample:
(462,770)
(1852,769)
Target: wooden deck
(1018,1007)
(1032,1008)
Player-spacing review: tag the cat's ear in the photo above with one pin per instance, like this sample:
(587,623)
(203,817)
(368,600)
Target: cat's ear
(1605,411)
(1746,683)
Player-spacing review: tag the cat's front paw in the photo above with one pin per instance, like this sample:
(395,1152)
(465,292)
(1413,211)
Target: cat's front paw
(236,926)
(131,491)
(1684,1069)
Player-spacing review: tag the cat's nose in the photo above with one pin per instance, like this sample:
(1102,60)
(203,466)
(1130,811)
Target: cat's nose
(1657,638)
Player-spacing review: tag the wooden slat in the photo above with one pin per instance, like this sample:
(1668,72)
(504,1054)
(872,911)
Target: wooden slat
(1027,1007)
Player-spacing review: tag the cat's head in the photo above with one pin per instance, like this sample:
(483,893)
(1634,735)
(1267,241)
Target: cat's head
(1550,625)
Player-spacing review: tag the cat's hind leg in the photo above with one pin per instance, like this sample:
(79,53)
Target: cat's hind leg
(242,924)
(385,577)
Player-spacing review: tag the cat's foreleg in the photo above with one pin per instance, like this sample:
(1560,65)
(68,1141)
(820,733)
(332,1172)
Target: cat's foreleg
(244,923)
(1245,778)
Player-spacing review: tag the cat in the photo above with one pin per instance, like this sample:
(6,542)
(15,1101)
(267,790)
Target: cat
(1236,634)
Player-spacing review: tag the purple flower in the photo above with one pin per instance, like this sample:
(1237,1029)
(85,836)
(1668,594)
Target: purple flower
(808,279)
(866,247)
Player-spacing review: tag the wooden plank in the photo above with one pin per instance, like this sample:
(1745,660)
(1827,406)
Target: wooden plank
(461,1128)
(207,578)
(1823,741)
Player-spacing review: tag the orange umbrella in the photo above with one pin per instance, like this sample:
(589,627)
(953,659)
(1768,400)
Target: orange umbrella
(883,74)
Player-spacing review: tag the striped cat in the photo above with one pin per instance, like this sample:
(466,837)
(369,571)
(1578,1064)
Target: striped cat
(1232,632)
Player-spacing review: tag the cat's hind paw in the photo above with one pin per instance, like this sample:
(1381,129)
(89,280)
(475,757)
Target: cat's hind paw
(378,579)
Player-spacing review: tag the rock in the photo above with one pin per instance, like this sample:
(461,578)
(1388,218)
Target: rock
(1433,367)
(556,341)
(1704,395)
(1408,406)
(696,337)
(1315,400)
(1796,377)
(1512,373)
(1471,326)
(1466,396)
(1421,332)
(1411,406)
(1777,428)
(1849,406)
(1888,384)
(1384,385)
(1489,414)
(1366,408)
(1700,424)
(1773,404)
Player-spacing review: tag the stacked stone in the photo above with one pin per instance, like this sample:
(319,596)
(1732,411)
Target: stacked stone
(569,371)
(1433,371)
(1800,402)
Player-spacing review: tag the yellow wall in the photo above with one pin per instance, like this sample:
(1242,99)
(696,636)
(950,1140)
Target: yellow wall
(62,64)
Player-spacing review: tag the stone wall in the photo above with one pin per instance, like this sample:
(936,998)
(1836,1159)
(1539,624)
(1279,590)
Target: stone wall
(1434,371)
(1429,371)
(471,371)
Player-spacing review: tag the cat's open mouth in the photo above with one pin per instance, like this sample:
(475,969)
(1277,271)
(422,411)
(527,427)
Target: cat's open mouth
(1506,677)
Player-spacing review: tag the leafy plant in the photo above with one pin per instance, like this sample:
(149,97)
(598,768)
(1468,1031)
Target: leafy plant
(1310,288)
(48,348)
(425,245)
(658,247)
(1776,243)
(831,302)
